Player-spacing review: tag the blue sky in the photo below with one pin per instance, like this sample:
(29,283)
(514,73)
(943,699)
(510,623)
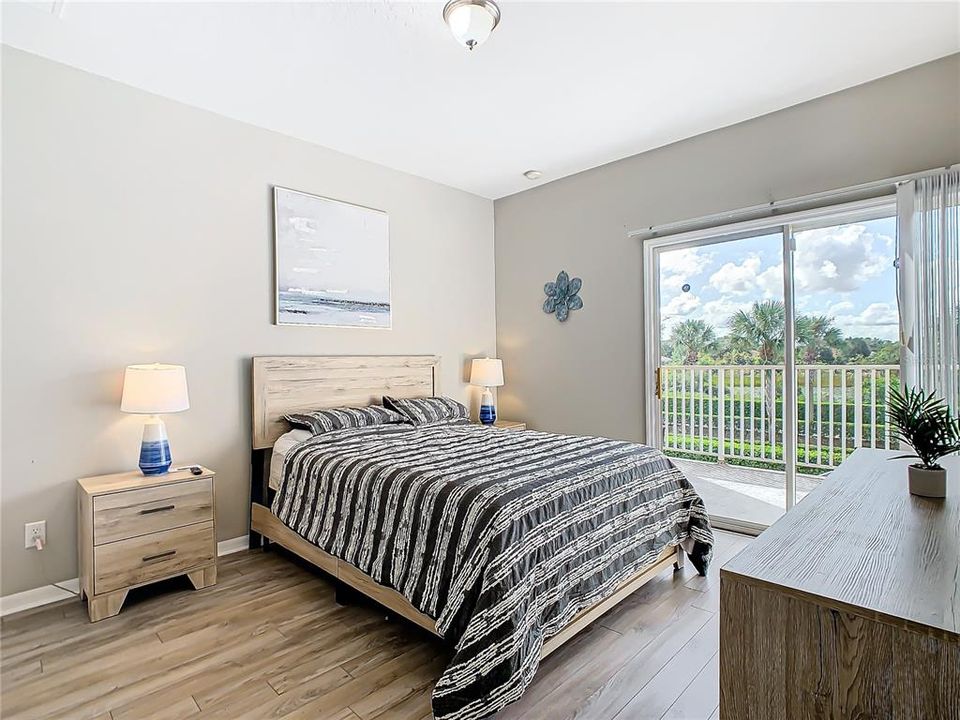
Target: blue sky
(845,272)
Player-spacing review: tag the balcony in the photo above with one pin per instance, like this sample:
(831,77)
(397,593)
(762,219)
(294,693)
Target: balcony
(723,425)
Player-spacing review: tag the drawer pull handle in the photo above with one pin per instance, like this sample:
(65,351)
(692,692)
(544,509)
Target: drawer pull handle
(162,508)
(168,553)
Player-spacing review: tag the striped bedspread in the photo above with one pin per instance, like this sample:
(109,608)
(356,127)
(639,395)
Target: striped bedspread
(500,536)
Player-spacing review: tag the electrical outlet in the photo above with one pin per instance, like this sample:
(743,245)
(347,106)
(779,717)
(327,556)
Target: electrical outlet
(33,531)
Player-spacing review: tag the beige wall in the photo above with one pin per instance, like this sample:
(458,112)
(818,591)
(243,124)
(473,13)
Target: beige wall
(138,229)
(585,376)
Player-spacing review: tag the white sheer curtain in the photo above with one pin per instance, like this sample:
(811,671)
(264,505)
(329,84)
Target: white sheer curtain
(928,226)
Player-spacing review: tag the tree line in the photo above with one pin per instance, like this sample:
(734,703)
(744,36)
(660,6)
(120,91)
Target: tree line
(756,337)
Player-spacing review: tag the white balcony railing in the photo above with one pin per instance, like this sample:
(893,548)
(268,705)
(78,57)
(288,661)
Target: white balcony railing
(735,412)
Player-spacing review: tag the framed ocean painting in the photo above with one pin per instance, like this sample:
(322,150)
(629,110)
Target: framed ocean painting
(332,262)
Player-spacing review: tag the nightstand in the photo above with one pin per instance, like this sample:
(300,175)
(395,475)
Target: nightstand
(135,529)
(510,425)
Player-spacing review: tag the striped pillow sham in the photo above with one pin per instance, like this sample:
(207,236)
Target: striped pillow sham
(423,410)
(344,418)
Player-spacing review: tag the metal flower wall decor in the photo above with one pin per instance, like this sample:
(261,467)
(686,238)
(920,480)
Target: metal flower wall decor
(562,296)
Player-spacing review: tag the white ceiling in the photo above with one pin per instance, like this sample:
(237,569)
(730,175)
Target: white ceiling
(560,86)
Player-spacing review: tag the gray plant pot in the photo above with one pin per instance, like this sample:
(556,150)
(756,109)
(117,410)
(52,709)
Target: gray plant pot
(927,483)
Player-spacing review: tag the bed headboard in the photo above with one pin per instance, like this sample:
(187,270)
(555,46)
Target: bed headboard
(298,383)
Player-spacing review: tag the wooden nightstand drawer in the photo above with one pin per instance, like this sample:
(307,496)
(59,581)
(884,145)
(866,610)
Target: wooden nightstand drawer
(127,563)
(128,514)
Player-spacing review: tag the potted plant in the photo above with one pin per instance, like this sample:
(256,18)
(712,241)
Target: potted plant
(925,423)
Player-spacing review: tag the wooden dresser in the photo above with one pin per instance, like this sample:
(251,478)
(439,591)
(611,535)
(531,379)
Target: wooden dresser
(849,606)
(134,530)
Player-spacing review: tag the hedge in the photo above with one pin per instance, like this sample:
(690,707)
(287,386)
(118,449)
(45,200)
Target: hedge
(734,451)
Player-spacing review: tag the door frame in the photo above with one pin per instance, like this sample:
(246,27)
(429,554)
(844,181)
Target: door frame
(787,224)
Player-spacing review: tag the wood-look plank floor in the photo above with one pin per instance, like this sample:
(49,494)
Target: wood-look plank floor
(268,641)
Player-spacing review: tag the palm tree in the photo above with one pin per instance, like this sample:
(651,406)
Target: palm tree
(689,338)
(759,329)
(817,338)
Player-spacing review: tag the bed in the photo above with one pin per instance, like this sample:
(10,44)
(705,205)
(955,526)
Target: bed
(503,543)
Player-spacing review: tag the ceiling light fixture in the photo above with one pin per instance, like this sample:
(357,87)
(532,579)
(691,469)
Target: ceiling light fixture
(471,21)
(532,174)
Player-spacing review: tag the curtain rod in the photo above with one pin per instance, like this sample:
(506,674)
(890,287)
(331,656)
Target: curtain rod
(863,191)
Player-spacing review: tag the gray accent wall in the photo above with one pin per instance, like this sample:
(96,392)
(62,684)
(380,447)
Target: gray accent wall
(138,229)
(586,375)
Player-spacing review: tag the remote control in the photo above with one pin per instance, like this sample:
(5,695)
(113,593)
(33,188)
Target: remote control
(194,469)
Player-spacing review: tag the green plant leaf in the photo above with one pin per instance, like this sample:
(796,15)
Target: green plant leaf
(924,422)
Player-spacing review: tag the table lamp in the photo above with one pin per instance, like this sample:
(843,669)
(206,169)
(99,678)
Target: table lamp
(488,373)
(152,390)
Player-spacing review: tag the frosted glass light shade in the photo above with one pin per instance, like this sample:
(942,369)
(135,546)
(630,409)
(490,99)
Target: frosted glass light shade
(471,21)
(154,389)
(487,372)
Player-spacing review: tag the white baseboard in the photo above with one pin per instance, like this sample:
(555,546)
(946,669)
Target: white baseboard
(73,585)
(46,594)
(237,544)
(33,598)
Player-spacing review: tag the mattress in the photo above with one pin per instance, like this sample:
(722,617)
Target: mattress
(502,537)
(284,444)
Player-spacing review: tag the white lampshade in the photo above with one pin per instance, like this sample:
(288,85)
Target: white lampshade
(471,21)
(154,389)
(487,372)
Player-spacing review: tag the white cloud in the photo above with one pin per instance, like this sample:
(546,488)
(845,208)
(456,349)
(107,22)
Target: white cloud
(844,306)
(840,259)
(835,259)
(747,277)
(876,320)
(681,266)
(737,278)
(680,306)
(873,314)
(718,313)
(691,261)
(771,281)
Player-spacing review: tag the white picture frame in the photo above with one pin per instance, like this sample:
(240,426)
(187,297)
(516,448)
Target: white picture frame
(331,262)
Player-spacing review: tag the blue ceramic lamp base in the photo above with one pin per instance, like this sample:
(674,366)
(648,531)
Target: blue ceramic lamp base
(488,411)
(154,448)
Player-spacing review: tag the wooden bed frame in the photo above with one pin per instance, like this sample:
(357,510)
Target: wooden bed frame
(289,384)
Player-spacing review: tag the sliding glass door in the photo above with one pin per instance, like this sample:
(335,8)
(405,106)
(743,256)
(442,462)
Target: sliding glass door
(775,351)
(847,328)
(721,372)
